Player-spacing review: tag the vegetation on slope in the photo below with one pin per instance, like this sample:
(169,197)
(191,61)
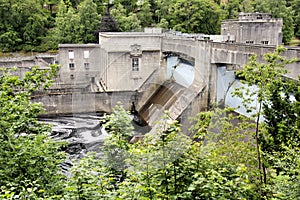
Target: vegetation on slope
(40,25)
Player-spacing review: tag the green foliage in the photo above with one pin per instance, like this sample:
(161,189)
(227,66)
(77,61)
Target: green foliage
(279,9)
(165,165)
(67,25)
(30,159)
(145,14)
(85,181)
(296,9)
(277,137)
(126,22)
(196,16)
(115,147)
(89,19)
(22,22)
(28,25)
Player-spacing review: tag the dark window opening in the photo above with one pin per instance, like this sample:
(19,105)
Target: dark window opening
(72,76)
(71,65)
(86,65)
(135,64)
(249,42)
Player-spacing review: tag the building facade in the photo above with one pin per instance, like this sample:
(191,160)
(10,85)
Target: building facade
(254,28)
(120,62)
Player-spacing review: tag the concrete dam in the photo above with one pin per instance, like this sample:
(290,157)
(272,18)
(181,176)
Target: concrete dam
(183,76)
(181,73)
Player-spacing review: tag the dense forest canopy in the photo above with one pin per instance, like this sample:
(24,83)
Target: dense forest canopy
(39,25)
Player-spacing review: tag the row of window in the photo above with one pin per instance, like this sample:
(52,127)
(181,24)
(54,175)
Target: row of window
(72,66)
(135,64)
(86,54)
(252,42)
(72,76)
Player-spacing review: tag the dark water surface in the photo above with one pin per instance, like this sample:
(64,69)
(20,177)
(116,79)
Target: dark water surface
(83,133)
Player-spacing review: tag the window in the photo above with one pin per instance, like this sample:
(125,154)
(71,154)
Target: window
(86,65)
(72,76)
(265,42)
(71,66)
(86,54)
(71,54)
(135,64)
(249,42)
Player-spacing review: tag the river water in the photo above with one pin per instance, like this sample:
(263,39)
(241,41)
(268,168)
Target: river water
(83,133)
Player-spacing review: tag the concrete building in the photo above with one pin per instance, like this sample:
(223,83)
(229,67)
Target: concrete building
(80,64)
(120,62)
(253,28)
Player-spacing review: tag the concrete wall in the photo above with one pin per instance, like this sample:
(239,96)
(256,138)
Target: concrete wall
(79,74)
(257,28)
(25,63)
(121,49)
(123,41)
(84,102)
(120,75)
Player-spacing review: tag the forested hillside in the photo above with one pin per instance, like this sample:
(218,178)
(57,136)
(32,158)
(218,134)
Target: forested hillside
(39,25)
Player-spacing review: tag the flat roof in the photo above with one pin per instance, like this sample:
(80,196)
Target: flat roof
(79,45)
(129,34)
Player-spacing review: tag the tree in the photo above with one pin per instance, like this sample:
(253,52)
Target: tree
(116,147)
(277,134)
(196,16)
(126,22)
(279,9)
(23,24)
(89,19)
(145,14)
(169,165)
(67,25)
(296,10)
(30,160)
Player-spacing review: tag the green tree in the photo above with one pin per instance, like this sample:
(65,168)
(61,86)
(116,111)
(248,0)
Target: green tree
(126,22)
(29,158)
(23,24)
(67,25)
(86,180)
(89,20)
(247,6)
(279,9)
(296,10)
(145,14)
(162,12)
(169,165)
(279,131)
(232,8)
(196,16)
(116,146)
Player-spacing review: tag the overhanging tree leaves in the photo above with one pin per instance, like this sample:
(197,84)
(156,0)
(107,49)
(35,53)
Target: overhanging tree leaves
(281,127)
(29,158)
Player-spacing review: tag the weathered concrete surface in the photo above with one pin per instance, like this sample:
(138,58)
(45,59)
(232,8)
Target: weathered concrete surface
(110,76)
(84,102)
(254,28)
